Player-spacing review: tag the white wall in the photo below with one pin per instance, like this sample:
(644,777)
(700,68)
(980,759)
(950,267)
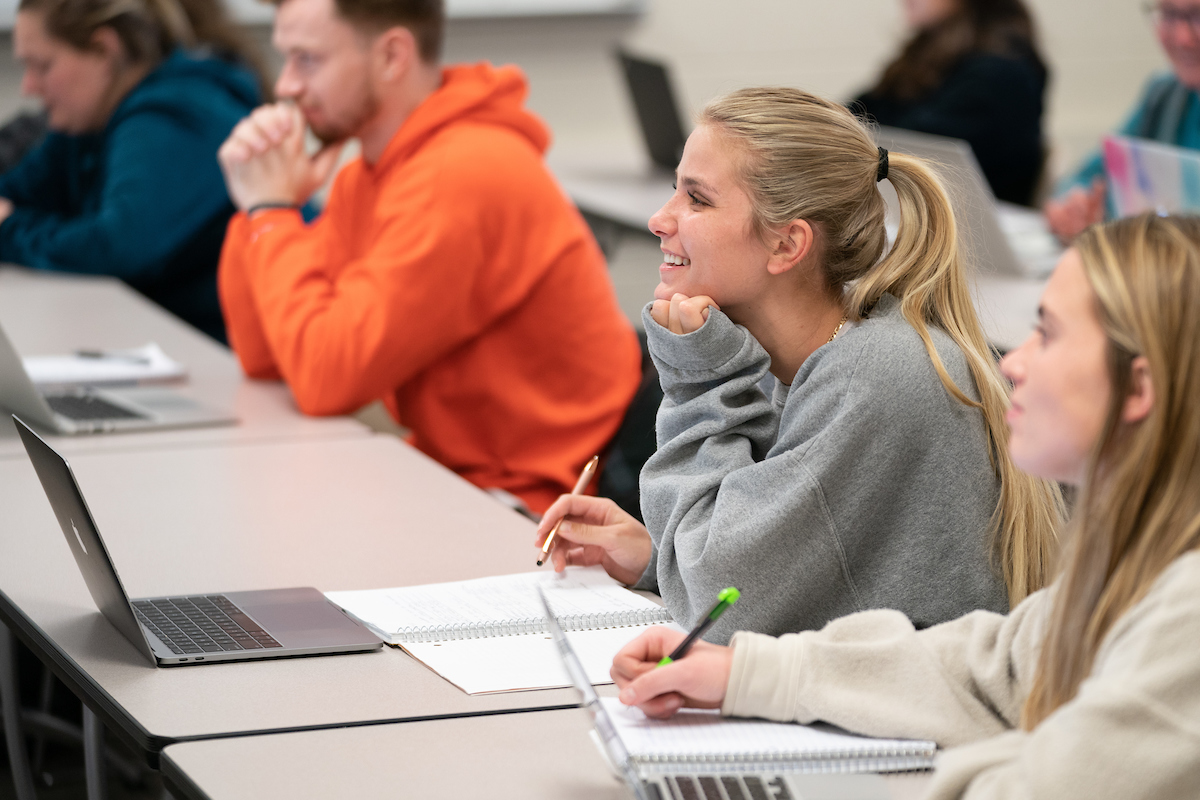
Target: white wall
(1100,52)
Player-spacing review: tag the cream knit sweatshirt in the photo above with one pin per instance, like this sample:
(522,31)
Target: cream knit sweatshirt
(1132,731)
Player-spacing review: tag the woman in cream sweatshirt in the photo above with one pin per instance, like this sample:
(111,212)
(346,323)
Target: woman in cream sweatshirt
(1090,688)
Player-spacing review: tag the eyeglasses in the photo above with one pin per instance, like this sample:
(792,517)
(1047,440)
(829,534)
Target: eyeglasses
(1168,16)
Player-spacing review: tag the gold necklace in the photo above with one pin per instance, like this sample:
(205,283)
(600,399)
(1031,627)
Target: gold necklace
(838,329)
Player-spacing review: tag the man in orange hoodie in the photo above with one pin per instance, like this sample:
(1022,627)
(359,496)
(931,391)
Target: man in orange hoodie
(448,274)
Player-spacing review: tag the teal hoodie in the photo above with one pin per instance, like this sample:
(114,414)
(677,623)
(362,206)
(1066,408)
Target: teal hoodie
(144,199)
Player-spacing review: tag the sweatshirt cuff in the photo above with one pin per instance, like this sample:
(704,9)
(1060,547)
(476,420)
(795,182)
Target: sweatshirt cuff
(765,677)
(649,580)
(709,347)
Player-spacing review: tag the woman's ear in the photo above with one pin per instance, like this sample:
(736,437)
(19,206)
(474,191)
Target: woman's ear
(106,43)
(1140,401)
(793,242)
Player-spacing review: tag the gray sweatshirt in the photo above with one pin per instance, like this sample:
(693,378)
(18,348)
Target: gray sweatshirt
(1132,731)
(864,484)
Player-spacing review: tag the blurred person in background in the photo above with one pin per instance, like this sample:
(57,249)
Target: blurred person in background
(138,95)
(1168,112)
(972,71)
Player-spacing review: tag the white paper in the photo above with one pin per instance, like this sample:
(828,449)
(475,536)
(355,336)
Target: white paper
(145,364)
(529,661)
(505,600)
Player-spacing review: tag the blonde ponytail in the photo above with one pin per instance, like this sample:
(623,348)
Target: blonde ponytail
(809,158)
(924,269)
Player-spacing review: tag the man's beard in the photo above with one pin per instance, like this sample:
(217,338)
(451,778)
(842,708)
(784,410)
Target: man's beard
(335,131)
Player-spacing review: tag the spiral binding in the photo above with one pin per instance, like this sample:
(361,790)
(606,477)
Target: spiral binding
(516,627)
(899,759)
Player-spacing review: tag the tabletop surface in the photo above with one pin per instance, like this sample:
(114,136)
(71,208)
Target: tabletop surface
(544,754)
(51,314)
(356,513)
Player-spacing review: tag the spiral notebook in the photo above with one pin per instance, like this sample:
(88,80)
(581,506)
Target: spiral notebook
(490,635)
(703,741)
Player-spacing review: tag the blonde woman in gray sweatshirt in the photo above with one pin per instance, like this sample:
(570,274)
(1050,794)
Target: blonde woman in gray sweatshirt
(832,435)
(1090,688)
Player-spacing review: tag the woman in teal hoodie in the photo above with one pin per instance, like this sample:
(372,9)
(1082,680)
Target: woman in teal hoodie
(139,95)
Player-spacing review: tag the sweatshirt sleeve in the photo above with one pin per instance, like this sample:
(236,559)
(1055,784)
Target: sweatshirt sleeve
(873,673)
(38,179)
(159,190)
(714,428)
(1131,730)
(358,303)
(242,321)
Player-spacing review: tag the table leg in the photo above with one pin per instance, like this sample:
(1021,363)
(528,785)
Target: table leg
(10,705)
(93,756)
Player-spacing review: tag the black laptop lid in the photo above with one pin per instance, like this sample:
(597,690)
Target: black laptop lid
(83,537)
(657,113)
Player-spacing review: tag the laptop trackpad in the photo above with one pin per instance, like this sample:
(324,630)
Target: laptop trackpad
(301,617)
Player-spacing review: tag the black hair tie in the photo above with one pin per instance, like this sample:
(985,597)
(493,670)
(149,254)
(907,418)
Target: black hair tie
(882,171)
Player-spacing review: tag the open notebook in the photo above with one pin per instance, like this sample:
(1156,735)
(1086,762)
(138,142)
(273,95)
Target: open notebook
(490,635)
(703,741)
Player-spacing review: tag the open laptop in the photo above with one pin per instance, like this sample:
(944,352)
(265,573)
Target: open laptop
(1144,175)
(722,783)
(196,629)
(1002,238)
(92,410)
(657,112)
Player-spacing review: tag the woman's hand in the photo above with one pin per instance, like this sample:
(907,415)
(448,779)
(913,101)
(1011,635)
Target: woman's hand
(6,208)
(1068,216)
(596,531)
(682,314)
(698,680)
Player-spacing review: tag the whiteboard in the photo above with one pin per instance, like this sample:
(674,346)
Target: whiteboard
(253,11)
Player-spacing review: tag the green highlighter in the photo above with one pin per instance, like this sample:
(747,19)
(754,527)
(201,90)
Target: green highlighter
(725,598)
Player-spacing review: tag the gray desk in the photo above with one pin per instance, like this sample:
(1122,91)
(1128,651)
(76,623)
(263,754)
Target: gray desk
(519,756)
(46,313)
(362,512)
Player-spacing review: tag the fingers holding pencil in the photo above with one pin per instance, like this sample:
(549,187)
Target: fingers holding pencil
(585,477)
(594,530)
(698,681)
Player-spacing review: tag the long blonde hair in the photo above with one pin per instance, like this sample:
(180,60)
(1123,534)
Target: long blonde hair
(1139,506)
(809,158)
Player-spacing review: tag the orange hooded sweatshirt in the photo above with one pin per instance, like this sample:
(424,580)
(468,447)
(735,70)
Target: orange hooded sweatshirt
(454,280)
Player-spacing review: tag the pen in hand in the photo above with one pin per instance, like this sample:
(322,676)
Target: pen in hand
(725,598)
(585,477)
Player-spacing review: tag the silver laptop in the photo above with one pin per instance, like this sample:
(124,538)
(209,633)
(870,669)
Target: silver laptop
(1001,238)
(193,629)
(721,784)
(92,410)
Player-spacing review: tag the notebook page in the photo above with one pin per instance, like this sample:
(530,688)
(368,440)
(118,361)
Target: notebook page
(401,614)
(529,661)
(700,734)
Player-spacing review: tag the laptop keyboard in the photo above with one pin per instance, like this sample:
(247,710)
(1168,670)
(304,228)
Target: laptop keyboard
(88,407)
(206,624)
(725,787)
